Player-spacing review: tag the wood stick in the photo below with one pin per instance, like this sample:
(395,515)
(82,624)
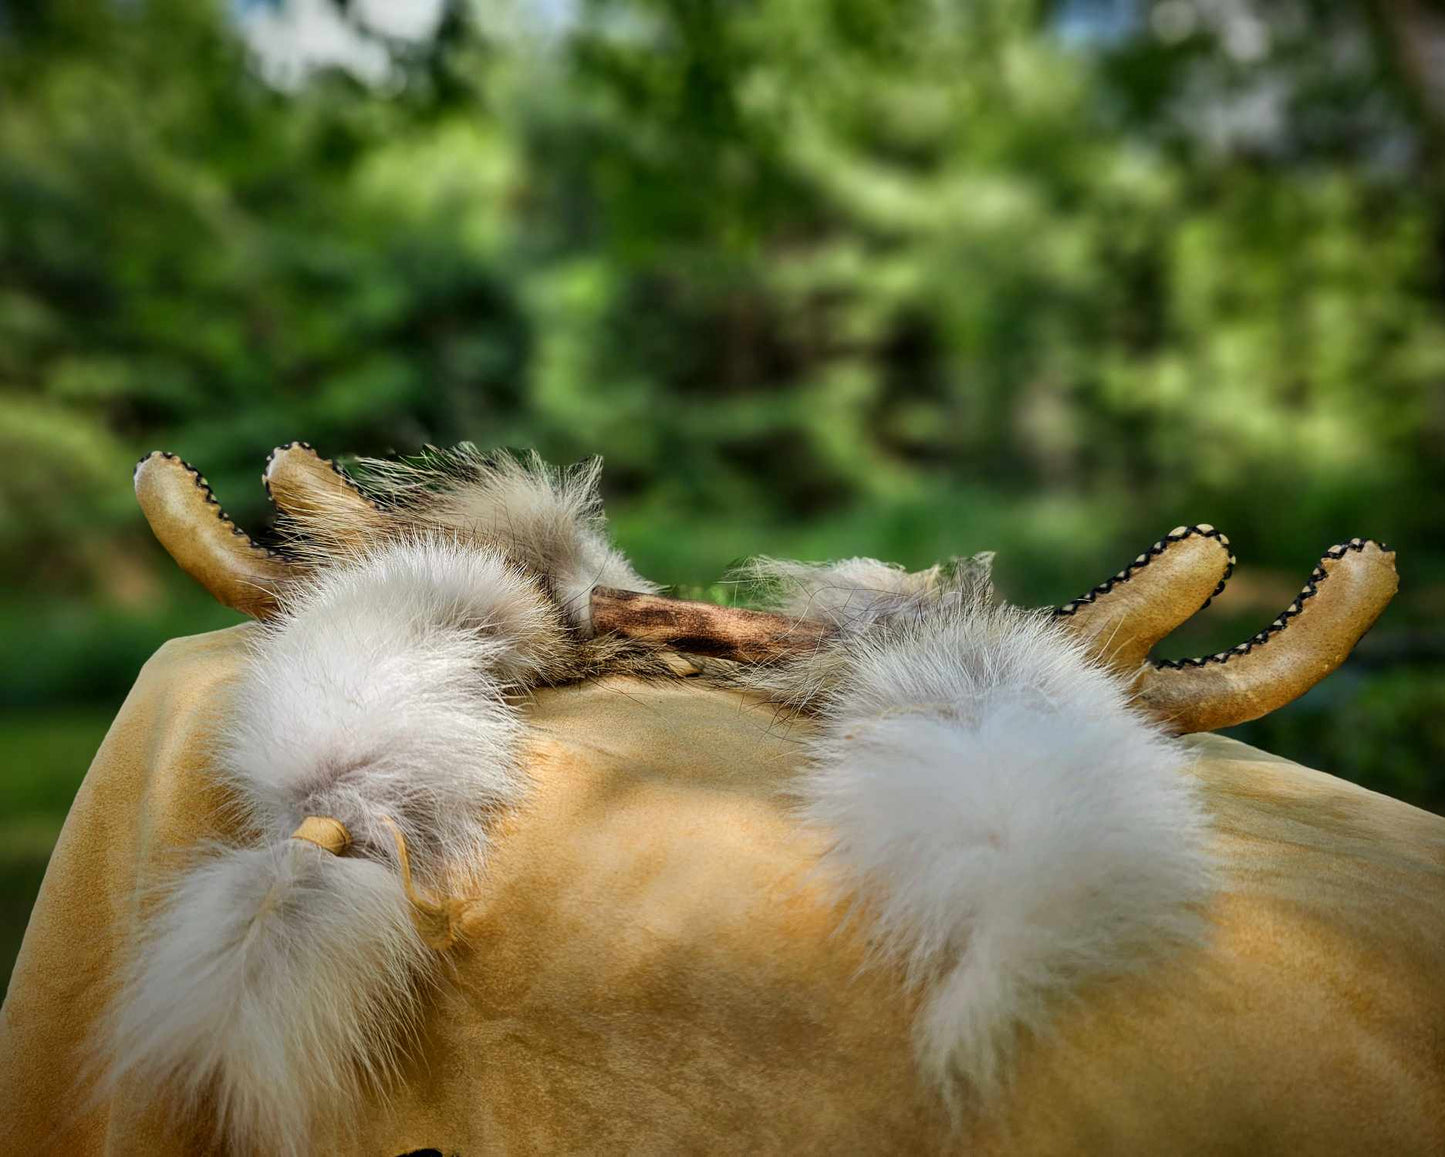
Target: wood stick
(704,629)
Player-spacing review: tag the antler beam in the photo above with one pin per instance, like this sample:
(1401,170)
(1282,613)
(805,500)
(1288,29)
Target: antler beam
(1345,595)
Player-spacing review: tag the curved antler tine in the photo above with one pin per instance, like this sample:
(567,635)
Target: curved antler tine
(1345,595)
(323,504)
(1121,619)
(189,522)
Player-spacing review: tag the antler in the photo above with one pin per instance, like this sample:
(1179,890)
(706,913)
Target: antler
(239,572)
(1120,620)
(1124,617)
(183,512)
(316,492)
(1346,593)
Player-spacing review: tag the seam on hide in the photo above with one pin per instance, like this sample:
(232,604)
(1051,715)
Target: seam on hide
(210,496)
(335,468)
(1105,587)
(1260,638)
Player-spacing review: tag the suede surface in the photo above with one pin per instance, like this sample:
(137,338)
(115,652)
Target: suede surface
(654,965)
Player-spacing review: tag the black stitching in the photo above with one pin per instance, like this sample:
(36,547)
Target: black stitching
(337,470)
(1144,560)
(210,496)
(1309,590)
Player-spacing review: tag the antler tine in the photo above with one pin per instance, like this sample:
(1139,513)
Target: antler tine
(1345,595)
(188,521)
(324,505)
(1121,619)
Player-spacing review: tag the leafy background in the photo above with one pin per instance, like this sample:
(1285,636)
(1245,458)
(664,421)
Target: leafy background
(908,278)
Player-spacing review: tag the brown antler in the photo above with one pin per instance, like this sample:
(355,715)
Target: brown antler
(1120,619)
(1345,595)
(317,494)
(1123,618)
(188,521)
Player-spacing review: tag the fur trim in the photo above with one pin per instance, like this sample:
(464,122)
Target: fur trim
(381,692)
(1009,827)
(548,520)
(854,593)
(280,981)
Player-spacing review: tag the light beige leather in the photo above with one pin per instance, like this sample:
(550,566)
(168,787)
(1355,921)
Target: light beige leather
(187,520)
(653,968)
(1347,592)
(1121,620)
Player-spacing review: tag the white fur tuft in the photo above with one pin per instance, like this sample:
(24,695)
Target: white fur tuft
(549,519)
(854,593)
(277,982)
(381,693)
(1010,827)
(281,980)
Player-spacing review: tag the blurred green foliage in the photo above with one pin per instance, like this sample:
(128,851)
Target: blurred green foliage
(907,278)
(771,258)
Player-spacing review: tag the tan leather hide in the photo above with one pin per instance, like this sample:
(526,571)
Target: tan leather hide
(653,968)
